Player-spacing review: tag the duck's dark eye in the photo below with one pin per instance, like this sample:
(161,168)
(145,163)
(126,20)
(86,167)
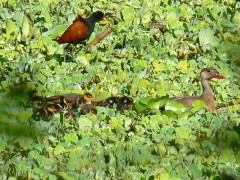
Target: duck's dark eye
(208,70)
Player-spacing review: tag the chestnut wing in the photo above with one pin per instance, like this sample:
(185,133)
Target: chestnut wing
(75,33)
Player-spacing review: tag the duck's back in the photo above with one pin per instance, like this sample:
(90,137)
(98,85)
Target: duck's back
(185,100)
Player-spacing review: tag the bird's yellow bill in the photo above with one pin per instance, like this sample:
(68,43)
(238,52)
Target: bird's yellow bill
(105,20)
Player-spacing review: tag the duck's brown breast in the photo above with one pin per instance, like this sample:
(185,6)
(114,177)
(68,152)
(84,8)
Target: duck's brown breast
(209,101)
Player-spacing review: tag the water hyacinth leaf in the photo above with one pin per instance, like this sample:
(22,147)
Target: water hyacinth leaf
(46,14)
(206,37)
(236,18)
(2,146)
(194,170)
(183,132)
(227,156)
(128,13)
(58,150)
(177,108)
(164,175)
(157,102)
(84,142)
(183,66)
(25,27)
(145,100)
(140,107)
(85,124)
(11,27)
(134,60)
(185,114)
(56,31)
(198,104)
(71,138)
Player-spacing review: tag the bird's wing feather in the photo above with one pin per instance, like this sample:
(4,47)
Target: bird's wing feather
(75,33)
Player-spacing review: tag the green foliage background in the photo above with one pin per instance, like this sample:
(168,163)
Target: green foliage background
(134,60)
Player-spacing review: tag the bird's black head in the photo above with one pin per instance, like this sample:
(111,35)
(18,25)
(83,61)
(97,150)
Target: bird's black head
(98,15)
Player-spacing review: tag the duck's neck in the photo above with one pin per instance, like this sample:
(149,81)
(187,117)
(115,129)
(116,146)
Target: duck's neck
(91,21)
(206,88)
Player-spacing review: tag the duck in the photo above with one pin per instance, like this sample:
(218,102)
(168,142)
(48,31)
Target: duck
(81,29)
(207,96)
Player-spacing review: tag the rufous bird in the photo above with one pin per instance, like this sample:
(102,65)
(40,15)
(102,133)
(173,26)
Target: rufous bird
(81,29)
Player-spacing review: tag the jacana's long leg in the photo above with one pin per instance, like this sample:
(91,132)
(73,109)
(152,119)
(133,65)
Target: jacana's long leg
(64,56)
(72,53)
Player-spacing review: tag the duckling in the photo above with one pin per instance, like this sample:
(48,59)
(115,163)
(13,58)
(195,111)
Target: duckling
(124,103)
(73,100)
(109,102)
(89,108)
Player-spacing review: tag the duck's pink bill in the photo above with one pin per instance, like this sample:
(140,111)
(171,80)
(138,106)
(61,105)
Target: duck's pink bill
(219,76)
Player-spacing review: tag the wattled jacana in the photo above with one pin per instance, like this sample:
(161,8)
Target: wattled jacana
(81,29)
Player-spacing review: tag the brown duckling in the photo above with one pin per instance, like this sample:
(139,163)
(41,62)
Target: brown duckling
(71,114)
(124,103)
(109,102)
(121,103)
(89,108)
(73,100)
(207,96)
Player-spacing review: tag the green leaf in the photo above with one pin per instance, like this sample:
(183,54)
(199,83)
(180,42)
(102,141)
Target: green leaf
(71,138)
(139,107)
(183,132)
(52,177)
(177,108)
(85,124)
(56,31)
(25,27)
(2,146)
(84,142)
(236,18)
(58,150)
(11,27)
(227,156)
(194,171)
(198,104)
(145,100)
(164,175)
(206,37)
(128,13)
(40,77)
(157,102)
(183,66)
(46,14)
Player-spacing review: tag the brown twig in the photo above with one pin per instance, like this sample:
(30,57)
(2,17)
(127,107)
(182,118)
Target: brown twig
(100,37)
(159,26)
